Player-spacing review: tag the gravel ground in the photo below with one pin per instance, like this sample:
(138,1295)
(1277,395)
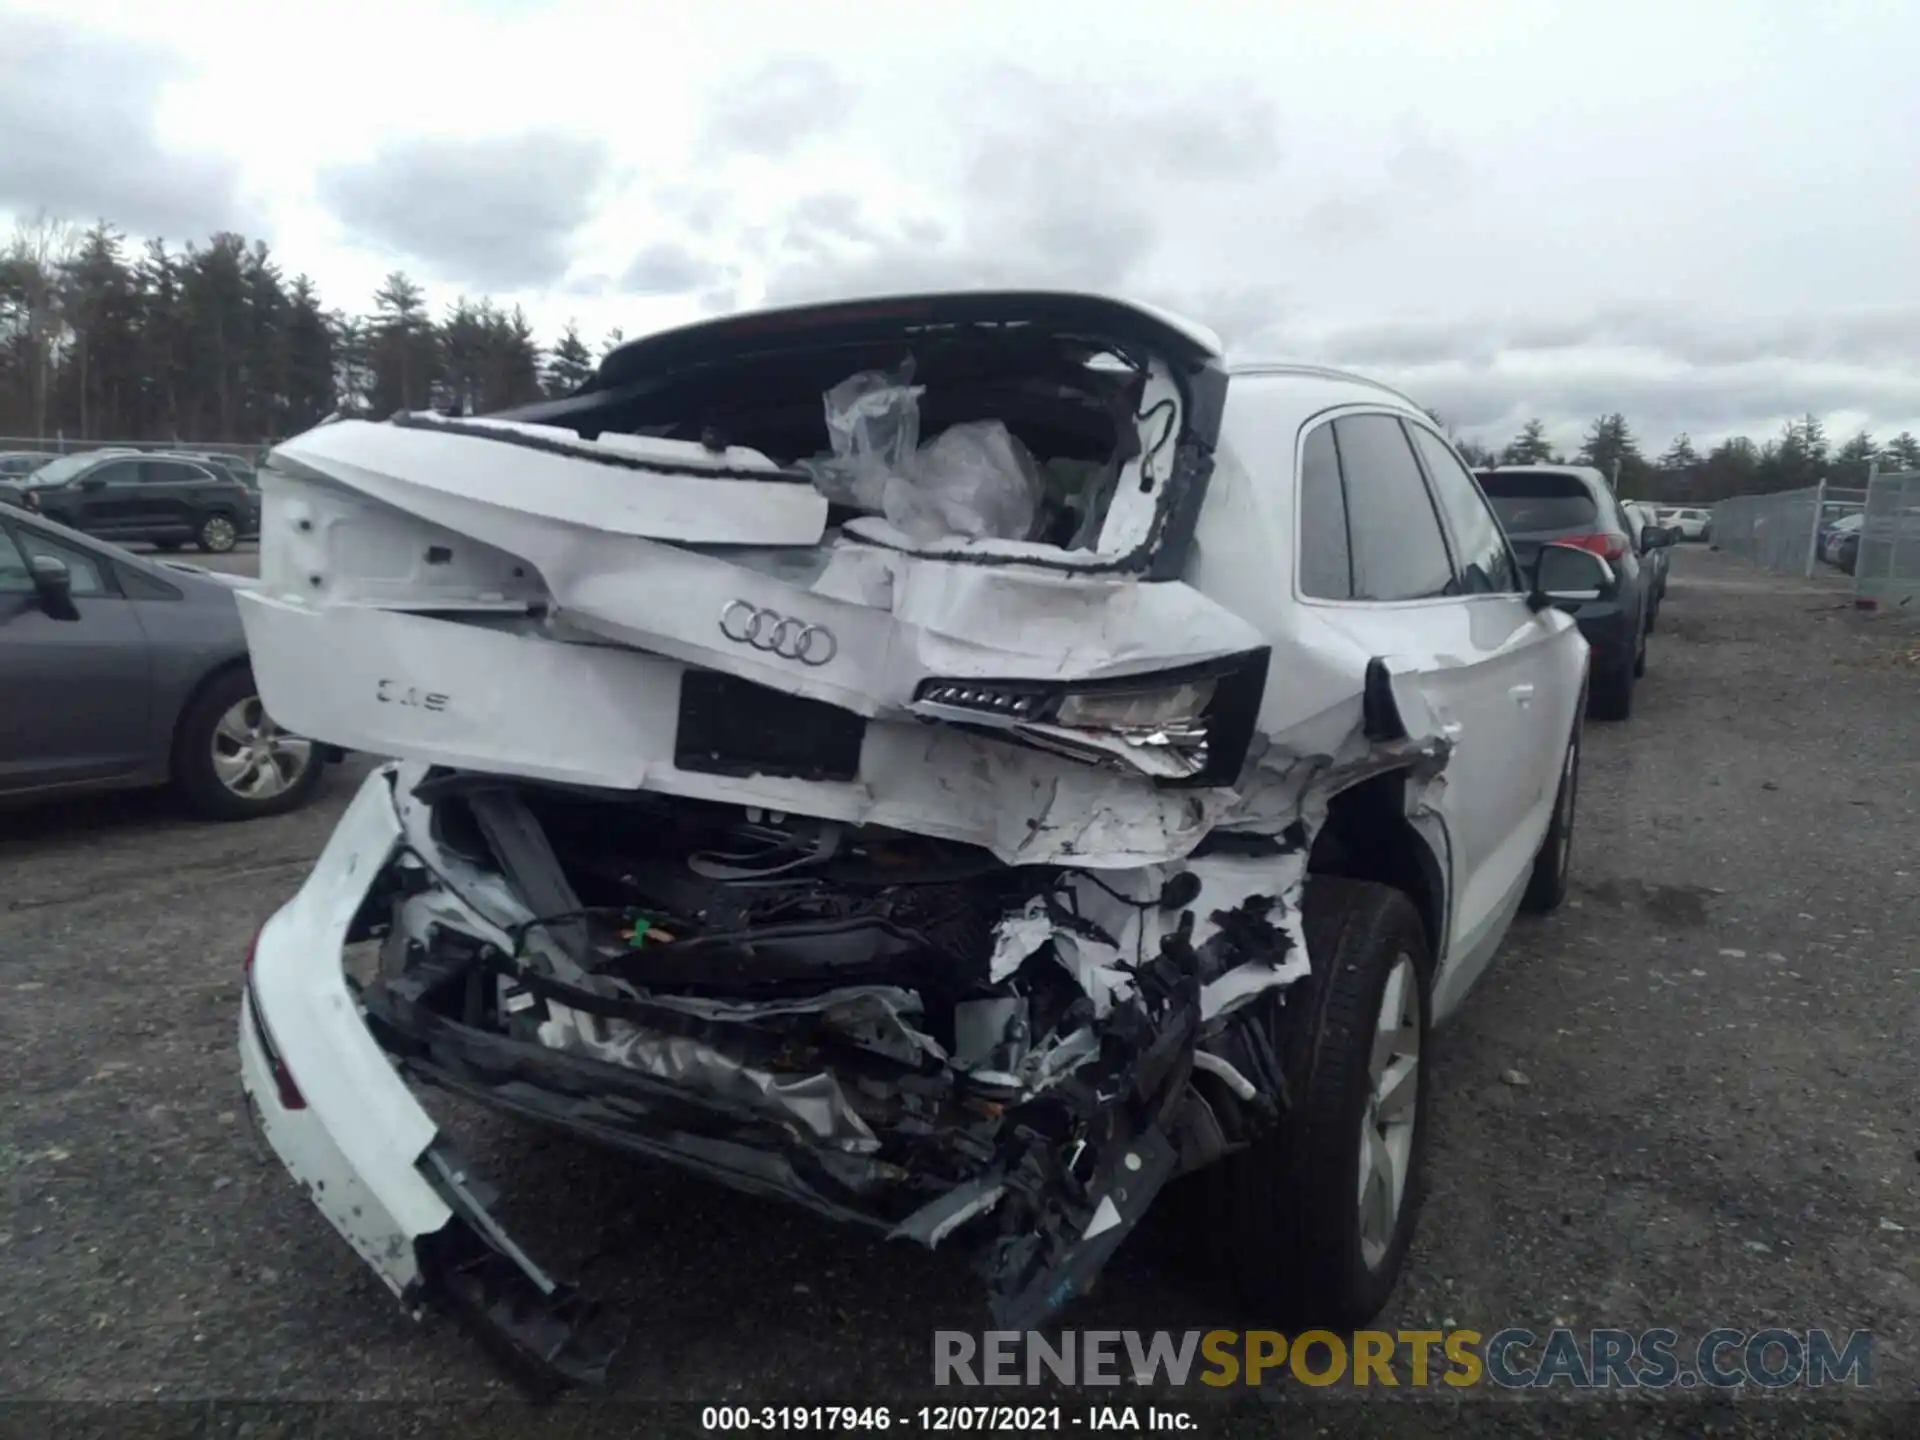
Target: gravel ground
(1688,1099)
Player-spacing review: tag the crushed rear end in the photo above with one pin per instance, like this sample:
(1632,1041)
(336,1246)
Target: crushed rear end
(886,851)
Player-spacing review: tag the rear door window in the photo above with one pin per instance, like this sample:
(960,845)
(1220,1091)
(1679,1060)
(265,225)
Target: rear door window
(1326,568)
(1486,567)
(116,472)
(1399,551)
(1532,504)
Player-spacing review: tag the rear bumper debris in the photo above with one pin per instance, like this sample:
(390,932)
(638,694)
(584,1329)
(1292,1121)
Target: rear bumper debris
(1031,1108)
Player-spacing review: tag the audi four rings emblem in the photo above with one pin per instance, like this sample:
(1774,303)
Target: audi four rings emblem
(777,634)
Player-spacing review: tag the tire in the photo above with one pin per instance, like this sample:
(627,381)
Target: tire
(198,780)
(218,533)
(1553,866)
(1611,695)
(1282,1217)
(1640,653)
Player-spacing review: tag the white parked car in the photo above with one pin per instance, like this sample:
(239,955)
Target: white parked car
(962,836)
(1690,522)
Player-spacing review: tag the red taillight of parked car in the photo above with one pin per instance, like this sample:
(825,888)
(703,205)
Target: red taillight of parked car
(1606,545)
(290,1096)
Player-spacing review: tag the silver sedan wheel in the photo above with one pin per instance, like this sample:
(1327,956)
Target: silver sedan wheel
(1386,1128)
(219,534)
(253,757)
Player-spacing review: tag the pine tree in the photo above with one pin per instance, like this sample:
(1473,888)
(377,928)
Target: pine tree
(570,365)
(1902,453)
(310,361)
(1681,456)
(1853,461)
(403,349)
(1529,447)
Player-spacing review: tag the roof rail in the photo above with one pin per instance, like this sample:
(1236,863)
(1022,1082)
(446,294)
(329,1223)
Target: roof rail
(1324,372)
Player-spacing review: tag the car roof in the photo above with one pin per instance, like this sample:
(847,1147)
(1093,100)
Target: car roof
(1298,369)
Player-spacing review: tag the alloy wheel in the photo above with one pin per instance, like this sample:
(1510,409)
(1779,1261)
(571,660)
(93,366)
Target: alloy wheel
(1387,1125)
(253,757)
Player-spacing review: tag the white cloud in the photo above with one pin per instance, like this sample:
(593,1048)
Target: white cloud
(1701,215)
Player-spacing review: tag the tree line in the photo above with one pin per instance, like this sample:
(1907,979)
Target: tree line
(104,340)
(1801,456)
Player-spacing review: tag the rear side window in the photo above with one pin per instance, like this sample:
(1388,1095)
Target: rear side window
(140,586)
(1527,504)
(1399,551)
(174,472)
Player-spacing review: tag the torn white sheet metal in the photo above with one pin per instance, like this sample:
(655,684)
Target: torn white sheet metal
(490,699)
(894,620)
(630,485)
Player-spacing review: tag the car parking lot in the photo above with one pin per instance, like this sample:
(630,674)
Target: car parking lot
(1687,1099)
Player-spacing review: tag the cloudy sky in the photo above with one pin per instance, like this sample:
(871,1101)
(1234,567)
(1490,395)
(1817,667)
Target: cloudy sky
(1704,214)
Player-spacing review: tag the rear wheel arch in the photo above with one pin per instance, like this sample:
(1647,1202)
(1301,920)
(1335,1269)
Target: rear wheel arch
(1367,836)
(206,682)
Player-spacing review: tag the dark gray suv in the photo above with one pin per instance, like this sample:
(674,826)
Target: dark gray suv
(1573,505)
(130,495)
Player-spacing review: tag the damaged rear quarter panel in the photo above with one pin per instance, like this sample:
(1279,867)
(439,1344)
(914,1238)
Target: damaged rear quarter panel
(355,1145)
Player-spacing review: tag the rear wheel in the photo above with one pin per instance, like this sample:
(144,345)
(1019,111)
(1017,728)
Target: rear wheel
(1553,866)
(1611,696)
(231,762)
(218,534)
(1314,1220)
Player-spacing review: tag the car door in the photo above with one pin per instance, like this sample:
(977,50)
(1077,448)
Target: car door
(1431,587)
(75,687)
(107,498)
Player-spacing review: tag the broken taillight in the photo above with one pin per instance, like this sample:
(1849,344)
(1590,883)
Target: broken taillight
(1188,726)
(290,1096)
(1605,544)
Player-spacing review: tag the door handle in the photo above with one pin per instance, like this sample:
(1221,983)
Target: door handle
(1521,693)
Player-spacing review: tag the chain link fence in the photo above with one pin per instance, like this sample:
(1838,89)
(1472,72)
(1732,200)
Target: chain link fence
(1886,574)
(59,445)
(1773,531)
